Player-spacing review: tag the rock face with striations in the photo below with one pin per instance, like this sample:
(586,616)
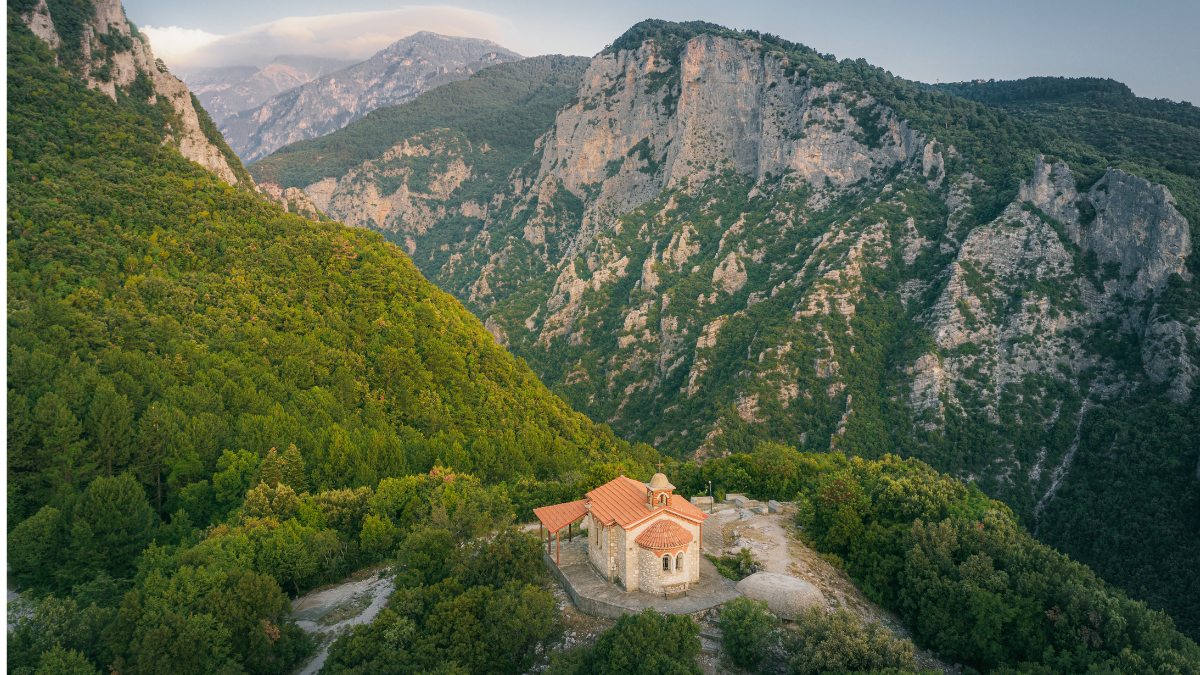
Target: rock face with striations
(112,53)
(396,74)
(735,109)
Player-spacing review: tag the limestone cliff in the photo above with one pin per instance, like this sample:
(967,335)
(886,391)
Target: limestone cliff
(109,54)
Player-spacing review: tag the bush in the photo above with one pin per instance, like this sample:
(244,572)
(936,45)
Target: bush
(838,643)
(640,644)
(746,624)
(736,567)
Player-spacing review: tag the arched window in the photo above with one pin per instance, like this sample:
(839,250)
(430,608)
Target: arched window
(666,563)
(662,500)
(679,562)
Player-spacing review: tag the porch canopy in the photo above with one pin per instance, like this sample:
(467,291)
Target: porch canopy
(558,516)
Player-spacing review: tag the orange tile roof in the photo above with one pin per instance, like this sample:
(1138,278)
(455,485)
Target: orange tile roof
(623,501)
(558,516)
(665,534)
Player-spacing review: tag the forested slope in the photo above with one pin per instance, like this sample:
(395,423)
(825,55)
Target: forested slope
(183,354)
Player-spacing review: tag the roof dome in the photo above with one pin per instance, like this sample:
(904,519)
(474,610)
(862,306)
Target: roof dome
(659,482)
(664,535)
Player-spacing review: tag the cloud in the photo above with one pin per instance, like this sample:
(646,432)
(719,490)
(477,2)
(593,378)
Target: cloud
(349,36)
(172,43)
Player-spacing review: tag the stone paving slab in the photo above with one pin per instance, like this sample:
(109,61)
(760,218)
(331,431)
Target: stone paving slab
(594,595)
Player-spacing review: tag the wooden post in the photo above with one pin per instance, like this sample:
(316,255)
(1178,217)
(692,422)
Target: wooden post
(557,549)
(569,535)
(540,528)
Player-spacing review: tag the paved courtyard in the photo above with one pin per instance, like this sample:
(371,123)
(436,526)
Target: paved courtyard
(594,595)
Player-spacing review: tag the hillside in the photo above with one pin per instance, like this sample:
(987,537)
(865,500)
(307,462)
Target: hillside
(205,395)
(725,238)
(398,73)
(1153,133)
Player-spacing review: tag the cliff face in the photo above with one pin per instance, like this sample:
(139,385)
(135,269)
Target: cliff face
(642,125)
(396,74)
(111,54)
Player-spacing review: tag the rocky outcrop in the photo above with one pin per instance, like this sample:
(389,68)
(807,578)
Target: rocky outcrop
(643,124)
(394,194)
(1127,221)
(116,61)
(41,24)
(293,200)
(396,74)
(1137,227)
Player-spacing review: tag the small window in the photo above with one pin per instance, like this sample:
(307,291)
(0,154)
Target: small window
(666,563)
(678,562)
(662,499)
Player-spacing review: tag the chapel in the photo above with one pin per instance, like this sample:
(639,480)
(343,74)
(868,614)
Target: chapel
(641,536)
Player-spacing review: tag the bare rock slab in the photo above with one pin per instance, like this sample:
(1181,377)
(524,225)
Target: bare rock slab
(785,596)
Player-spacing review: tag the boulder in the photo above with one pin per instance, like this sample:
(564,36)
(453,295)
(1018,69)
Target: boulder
(785,596)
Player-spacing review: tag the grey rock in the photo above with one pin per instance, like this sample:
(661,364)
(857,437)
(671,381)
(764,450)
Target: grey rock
(785,596)
(1052,190)
(774,506)
(1138,227)
(1165,357)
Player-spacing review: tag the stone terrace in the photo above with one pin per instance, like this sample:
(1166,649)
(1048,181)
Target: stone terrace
(594,595)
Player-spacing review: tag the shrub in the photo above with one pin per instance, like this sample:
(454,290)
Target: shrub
(838,643)
(746,624)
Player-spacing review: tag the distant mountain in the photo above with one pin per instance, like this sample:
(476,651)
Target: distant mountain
(395,75)
(204,80)
(284,73)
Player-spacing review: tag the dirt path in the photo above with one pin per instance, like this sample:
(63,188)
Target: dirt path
(775,542)
(327,612)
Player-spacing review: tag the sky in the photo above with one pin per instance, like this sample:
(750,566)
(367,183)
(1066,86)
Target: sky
(1149,45)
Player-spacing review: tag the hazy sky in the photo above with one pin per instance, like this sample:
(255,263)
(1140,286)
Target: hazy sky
(1150,45)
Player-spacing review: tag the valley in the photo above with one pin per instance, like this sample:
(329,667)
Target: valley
(286,373)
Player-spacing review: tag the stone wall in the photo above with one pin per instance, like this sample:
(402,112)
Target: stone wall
(630,560)
(652,577)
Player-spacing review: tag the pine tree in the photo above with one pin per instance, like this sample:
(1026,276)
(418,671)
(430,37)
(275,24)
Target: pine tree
(62,451)
(158,427)
(271,471)
(110,422)
(293,469)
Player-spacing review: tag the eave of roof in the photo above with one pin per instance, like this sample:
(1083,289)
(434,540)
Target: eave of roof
(558,516)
